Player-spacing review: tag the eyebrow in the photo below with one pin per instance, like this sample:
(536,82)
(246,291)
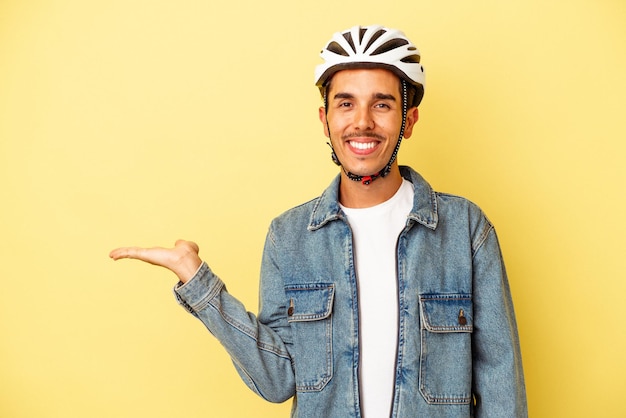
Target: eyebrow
(377,96)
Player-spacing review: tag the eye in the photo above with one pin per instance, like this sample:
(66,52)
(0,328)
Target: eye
(382,105)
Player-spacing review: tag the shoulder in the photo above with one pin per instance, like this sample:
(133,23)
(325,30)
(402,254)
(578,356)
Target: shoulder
(457,204)
(298,220)
(313,214)
(460,212)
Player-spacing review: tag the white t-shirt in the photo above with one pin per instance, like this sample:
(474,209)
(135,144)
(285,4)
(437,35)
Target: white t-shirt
(375,233)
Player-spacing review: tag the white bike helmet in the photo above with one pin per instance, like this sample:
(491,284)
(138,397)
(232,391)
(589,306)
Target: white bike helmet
(372,47)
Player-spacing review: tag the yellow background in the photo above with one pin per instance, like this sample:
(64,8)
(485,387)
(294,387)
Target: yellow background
(137,122)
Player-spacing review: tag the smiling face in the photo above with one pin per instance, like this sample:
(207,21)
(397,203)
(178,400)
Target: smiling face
(364,118)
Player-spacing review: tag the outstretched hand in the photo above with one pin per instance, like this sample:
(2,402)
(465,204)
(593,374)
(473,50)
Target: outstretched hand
(183,259)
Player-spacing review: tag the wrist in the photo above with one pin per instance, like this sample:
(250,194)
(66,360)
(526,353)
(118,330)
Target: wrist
(188,268)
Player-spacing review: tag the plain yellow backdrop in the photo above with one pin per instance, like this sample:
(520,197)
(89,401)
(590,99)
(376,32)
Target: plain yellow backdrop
(136,122)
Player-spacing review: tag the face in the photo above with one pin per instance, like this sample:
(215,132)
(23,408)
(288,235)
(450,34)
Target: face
(364,118)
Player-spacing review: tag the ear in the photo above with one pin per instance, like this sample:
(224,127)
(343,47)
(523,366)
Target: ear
(324,120)
(412,116)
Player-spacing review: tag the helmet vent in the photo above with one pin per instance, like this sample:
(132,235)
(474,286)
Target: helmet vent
(337,49)
(390,45)
(413,59)
(348,37)
(362,32)
(374,37)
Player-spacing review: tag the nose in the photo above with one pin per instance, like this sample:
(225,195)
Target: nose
(363,119)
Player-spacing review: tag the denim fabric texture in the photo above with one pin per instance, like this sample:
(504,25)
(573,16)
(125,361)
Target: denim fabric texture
(458,350)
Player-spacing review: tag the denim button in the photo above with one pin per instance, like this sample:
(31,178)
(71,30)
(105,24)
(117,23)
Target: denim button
(290,310)
(462,319)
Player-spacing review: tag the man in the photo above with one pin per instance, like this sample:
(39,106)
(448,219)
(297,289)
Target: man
(380,298)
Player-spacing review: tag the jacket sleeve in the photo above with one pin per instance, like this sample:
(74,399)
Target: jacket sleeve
(257,345)
(498,379)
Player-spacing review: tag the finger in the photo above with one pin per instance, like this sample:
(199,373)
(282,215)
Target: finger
(125,252)
(116,254)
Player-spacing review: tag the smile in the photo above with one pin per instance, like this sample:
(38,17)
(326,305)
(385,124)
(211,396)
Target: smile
(362,145)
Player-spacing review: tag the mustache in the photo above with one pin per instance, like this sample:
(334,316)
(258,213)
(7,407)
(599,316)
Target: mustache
(364,134)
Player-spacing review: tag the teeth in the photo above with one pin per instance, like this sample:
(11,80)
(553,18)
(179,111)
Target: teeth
(362,145)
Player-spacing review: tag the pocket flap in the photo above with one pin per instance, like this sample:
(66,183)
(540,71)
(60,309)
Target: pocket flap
(309,302)
(447,312)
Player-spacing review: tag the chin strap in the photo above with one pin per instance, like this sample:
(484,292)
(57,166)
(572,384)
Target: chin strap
(387,168)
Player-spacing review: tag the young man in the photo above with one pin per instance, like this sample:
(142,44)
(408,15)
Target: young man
(380,298)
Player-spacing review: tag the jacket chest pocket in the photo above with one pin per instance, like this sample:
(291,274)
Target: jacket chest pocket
(309,313)
(446,348)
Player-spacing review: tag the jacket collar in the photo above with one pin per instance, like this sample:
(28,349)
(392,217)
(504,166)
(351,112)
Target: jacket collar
(327,209)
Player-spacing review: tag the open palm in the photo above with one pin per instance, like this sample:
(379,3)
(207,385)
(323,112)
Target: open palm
(182,259)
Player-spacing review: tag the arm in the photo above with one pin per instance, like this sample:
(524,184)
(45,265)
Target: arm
(498,377)
(257,349)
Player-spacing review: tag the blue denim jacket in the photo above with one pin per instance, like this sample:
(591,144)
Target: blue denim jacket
(458,351)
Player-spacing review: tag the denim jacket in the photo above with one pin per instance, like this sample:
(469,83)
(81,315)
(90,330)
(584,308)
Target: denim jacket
(458,351)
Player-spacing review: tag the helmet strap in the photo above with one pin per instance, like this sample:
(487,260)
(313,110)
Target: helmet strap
(387,168)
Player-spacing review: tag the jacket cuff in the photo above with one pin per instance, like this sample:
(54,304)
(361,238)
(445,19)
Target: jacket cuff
(196,294)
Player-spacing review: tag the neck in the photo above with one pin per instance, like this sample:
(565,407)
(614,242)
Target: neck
(354,194)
